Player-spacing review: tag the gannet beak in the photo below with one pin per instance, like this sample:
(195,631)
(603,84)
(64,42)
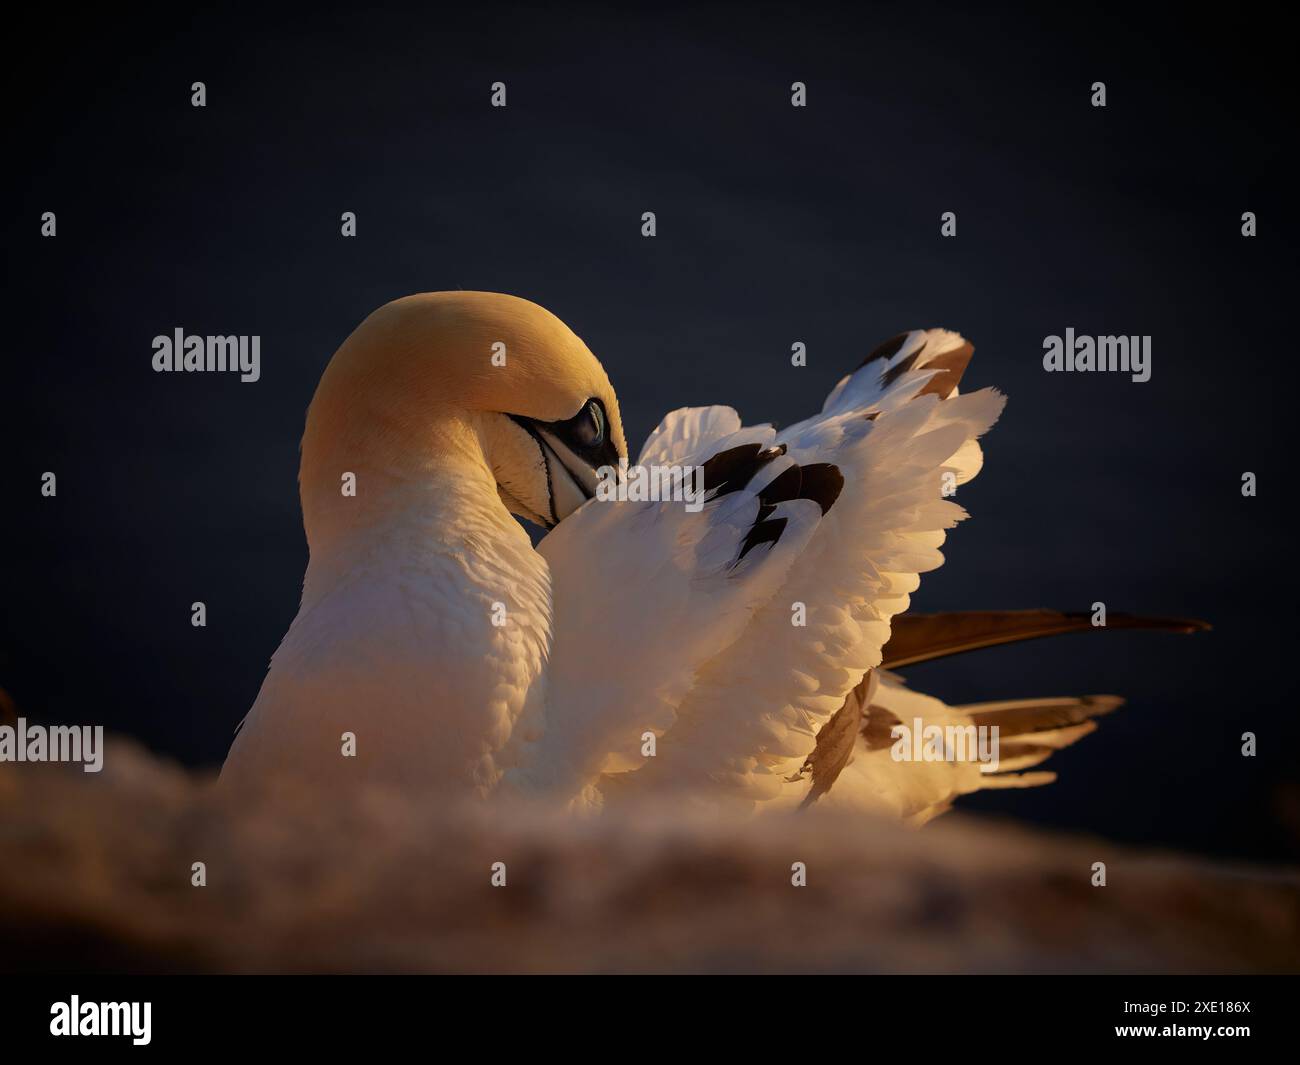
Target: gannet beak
(571,477)
(571,480)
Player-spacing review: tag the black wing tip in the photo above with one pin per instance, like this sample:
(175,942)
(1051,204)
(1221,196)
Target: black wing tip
(730,470)
(904,365)
(891,347)
(785,485)
(886,350)
(950,364)
(767,531)
(822,482)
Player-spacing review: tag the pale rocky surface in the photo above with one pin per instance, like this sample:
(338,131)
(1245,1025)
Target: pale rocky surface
(95,874)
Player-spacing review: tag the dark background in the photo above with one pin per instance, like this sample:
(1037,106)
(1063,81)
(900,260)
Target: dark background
(776,224)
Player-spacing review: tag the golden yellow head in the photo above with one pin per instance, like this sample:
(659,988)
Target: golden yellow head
(446,374)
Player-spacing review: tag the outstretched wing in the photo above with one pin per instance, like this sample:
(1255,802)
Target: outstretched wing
(734,663)
(903,439)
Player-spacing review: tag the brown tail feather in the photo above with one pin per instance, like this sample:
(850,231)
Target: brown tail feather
(1019,717)
(1034,727)
(921,637)
(1013,717)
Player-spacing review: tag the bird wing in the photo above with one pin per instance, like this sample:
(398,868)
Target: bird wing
(645,592)
(733,634)
(903,438)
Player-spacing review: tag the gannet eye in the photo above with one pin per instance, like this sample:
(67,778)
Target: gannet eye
(589,426)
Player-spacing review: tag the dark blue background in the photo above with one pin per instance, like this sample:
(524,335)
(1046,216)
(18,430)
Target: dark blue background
(776,224)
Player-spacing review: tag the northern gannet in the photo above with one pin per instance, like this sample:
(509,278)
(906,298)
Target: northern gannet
(738,653)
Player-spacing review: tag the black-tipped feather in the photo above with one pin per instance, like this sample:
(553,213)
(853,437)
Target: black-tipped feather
(762,532)
(730,470)
(895,372)
(887,350)
(821,482)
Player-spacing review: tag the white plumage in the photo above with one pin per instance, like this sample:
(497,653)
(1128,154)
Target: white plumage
(669,638)
(746,637)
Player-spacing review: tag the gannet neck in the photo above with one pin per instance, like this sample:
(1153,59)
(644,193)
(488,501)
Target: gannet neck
(441,499)
(423,629)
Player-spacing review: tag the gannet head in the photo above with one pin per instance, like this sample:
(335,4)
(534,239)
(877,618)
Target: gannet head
(467,373)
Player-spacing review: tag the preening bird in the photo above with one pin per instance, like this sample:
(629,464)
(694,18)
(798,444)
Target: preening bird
(740,653)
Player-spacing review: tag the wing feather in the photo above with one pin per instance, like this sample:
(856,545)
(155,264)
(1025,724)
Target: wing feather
(750,720)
